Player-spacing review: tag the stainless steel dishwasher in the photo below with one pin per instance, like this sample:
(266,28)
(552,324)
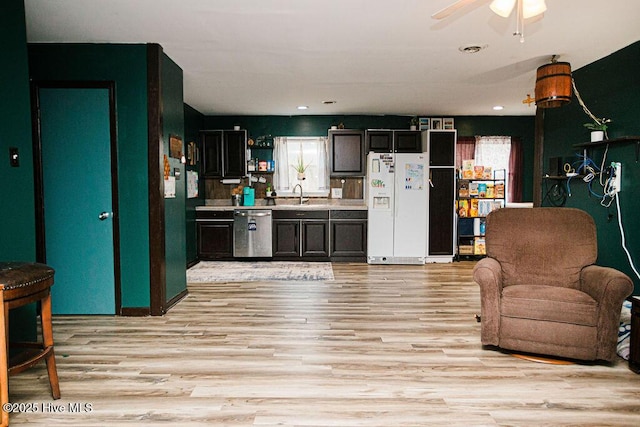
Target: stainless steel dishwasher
(252,233)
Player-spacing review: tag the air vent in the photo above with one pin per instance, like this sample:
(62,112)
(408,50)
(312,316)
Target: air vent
(473,48)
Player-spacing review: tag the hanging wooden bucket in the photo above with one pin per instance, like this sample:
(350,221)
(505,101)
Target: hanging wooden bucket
(553,85)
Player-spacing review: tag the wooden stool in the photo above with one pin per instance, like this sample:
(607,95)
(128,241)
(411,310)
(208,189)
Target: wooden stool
(23,283)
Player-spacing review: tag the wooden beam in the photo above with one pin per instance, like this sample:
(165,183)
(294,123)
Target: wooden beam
(538,157)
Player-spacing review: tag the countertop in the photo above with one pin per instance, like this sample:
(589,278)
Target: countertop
(288,203)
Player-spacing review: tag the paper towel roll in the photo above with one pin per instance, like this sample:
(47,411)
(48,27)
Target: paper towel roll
(476,226)
(230,181)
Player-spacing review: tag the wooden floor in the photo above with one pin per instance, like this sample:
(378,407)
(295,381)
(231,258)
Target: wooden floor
(379,346)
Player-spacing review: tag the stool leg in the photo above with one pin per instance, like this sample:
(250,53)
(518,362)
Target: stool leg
(4,368)
(47,340)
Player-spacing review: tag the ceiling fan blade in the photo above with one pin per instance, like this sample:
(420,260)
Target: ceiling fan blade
(449,10)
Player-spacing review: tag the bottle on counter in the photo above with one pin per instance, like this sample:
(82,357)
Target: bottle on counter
(251,165)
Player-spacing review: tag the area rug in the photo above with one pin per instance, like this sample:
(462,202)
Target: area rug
(239,271)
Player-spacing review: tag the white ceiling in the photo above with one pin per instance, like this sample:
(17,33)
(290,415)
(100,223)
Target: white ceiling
(264,57)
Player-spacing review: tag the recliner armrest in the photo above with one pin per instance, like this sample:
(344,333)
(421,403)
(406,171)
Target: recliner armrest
(605,283)
(488,274)
(609,287)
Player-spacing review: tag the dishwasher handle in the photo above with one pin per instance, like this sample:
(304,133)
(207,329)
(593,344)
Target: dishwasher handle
(245,213)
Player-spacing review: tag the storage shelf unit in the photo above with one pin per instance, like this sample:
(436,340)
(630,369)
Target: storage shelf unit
(476,198)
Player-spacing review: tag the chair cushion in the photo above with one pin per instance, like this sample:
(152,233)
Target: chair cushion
(15,275)
(550,303)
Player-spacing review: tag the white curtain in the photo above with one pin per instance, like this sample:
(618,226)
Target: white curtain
(494,151)
(287,151)
(281,156)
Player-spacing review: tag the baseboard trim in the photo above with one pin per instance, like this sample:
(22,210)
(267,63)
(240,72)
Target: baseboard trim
(135,311)
(173,301)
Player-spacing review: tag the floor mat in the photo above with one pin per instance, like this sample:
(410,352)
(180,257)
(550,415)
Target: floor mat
(238,271)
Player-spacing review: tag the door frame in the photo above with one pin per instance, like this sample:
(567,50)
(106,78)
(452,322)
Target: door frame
(41,254)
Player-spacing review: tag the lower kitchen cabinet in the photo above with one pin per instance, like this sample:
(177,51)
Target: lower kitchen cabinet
(215,235)
(310,235)
(286,238)
(348,236)
(300,234)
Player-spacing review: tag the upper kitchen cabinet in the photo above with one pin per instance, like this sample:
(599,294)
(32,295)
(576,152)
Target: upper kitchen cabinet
(224,153)
(442,147)
(394,141)
(407,141)
(379,141)
(347,152)
(211,153)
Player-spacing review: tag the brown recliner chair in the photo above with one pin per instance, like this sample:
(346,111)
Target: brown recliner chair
(540,292)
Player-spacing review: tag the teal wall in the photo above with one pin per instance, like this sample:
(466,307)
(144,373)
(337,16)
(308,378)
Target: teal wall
(516,126)
(127,66)
(17,216)
(174,209)
(193,123)
(610,87)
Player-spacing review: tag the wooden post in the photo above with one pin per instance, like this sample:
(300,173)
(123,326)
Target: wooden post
(538,157)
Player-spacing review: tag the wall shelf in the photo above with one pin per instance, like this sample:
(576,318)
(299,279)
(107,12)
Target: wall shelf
(621,140)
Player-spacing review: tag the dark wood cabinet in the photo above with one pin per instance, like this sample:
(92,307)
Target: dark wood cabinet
(286,238)
(234,148)
(300,234)
(394,141)
(316,235)
(215,235)
(315,238)
(407,141)
(348,236)
(379,141)
(441,211)
(224,153)
(442,147)
(211,153)
(634,339)
(347,153)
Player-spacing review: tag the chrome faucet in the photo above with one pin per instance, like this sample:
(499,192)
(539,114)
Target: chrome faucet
(294,191)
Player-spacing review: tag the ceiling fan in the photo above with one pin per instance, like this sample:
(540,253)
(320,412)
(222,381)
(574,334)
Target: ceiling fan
(525,9)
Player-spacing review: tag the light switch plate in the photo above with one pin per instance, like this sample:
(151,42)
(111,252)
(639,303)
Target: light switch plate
(336,193)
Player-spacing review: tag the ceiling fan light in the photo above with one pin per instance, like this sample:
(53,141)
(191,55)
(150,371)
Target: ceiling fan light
(531,8)
(502,7)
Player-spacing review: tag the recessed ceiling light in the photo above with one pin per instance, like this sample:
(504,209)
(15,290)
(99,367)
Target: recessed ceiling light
(472,48)
(302,107)
(498,107)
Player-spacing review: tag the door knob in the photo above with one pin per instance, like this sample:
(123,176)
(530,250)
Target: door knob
(104,215)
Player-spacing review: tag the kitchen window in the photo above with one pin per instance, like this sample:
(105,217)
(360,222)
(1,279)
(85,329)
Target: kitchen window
(304,161)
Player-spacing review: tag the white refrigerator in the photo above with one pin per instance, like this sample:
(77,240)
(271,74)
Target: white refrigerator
(397,204)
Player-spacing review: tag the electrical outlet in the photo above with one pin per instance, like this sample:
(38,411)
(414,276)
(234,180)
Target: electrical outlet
(14,157)
(616,178)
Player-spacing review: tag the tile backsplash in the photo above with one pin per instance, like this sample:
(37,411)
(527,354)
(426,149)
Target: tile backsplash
(352,188)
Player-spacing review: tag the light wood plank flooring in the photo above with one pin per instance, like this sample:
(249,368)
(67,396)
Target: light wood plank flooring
(379,346)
